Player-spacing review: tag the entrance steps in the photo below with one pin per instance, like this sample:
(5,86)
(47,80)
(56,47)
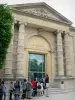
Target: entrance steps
(60,91)
(58,94)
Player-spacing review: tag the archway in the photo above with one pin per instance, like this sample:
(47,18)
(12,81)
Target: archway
(38,58)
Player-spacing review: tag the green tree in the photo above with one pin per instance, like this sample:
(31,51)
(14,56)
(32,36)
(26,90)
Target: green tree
(6,21)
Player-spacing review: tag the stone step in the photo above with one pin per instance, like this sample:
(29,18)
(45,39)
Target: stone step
(58,90)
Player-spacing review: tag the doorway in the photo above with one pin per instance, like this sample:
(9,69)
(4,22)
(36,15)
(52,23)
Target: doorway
(36,68)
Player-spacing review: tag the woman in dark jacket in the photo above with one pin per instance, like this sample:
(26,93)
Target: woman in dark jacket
(46,81)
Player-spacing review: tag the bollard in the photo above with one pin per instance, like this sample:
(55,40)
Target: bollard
(62,84)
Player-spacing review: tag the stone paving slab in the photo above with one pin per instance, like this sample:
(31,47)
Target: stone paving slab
(56,96)
(64,96)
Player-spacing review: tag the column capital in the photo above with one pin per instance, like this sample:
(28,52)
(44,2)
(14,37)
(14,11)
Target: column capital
(65,32)
(58,31)
(20,23)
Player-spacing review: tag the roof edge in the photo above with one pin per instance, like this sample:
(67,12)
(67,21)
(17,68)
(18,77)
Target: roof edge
(42,4)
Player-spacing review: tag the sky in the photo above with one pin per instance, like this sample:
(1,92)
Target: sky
(65,7)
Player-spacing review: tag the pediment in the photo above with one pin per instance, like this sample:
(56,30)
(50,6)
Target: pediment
(41,10)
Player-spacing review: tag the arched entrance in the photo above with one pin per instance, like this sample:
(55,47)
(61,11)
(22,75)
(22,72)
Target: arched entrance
(39,58)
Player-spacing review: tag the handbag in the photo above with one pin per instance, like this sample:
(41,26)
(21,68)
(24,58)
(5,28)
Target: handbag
(47,85)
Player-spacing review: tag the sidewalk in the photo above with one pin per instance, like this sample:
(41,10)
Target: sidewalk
(58,96)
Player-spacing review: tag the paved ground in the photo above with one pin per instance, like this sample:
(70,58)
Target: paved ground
(58,96)
(64,96)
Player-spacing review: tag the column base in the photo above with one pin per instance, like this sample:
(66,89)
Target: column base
(67,81)
(19,76)
(7,77)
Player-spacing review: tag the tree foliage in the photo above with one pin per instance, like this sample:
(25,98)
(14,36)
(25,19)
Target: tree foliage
(6,21)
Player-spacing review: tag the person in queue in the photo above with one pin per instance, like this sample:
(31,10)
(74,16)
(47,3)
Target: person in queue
(34,87)
(4,89)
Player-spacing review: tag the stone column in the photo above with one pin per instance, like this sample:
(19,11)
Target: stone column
(68,52)
(60,54)
(20,52)
(9,59)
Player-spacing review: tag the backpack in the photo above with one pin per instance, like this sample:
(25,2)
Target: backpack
(24,86)
(28,86)
(39,86)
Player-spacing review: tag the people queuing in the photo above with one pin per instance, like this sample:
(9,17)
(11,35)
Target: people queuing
(24,89)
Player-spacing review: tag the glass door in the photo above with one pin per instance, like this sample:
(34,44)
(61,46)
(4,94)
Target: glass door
(36,66)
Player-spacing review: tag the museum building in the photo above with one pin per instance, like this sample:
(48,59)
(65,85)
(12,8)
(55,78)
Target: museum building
(43,42)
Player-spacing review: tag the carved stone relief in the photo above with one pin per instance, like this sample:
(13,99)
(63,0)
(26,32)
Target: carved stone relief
(41,12)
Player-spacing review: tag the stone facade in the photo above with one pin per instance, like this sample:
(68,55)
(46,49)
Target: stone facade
(38,28)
